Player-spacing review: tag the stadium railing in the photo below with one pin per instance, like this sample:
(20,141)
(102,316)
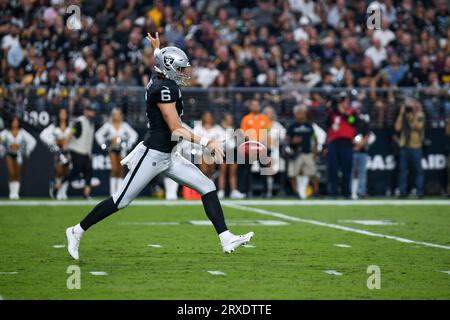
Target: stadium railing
(38,104)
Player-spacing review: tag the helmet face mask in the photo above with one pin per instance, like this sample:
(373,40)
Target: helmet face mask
(172,63)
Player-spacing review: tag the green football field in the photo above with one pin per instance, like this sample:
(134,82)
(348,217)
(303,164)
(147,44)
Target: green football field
(167,250)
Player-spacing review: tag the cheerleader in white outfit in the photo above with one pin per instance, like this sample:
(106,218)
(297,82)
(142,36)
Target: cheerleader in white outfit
(212,131)
(18,144)
(277,133)
(57,137)
(118,137)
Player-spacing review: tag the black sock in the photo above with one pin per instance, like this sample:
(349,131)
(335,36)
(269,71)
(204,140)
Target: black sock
(100,212)
(214,211)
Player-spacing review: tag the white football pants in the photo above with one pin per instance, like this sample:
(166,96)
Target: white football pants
(145,164)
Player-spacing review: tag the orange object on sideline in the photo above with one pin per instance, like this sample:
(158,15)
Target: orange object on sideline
(190,194)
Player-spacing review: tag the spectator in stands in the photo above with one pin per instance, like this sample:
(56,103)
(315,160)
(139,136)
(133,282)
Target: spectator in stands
(410,124)
(395,71)
(377,53)
(302,151)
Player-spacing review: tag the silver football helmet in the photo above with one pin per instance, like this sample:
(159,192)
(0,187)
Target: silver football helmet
(172,62)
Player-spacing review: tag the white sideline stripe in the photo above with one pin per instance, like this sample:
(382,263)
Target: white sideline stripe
(155,245)
(59,246)
(261,202)
(13,272)
(342,245)
(334,226)
(99,273)
(249,246)
(333,272)
(216,273)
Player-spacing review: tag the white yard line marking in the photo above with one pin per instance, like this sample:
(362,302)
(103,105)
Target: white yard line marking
(6,273)
(373,222)
(155,245)
(334,226)
(309,203)
(249,246)
(333,272)
(99,273)
(151,223)
(59,246)
(341,245)
(242,223)
(216,273)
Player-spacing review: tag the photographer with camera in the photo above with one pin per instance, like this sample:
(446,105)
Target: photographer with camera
(410,125)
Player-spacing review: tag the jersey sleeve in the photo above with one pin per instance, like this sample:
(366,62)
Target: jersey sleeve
(165,93)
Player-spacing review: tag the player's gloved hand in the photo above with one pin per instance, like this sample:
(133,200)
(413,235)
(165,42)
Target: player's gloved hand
(215,147)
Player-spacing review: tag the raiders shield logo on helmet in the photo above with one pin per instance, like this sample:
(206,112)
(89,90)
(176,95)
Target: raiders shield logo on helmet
(168,60)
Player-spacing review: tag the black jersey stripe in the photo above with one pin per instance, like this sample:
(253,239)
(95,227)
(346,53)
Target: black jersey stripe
(135,170)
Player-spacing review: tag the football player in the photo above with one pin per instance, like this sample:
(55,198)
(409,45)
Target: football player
(154,155)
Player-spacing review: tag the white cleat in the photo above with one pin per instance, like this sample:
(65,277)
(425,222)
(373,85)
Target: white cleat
(237,241)
(73,242)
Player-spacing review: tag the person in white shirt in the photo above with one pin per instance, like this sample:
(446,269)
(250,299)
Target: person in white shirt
(56,137)
(118,137)
(18,144)
(277,133)
(385,35)
(207,128)
(229,168)
(377,53)
(205,76)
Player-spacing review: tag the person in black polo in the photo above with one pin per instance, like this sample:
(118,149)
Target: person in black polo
(340,130)
(301,141)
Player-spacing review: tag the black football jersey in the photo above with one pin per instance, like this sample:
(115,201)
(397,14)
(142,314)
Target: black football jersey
(158,90)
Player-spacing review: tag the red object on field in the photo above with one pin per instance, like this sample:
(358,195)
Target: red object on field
(190,194)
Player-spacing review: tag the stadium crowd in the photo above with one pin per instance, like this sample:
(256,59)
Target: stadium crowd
(314,47)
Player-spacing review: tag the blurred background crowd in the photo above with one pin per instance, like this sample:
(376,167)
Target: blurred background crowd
(283,53)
